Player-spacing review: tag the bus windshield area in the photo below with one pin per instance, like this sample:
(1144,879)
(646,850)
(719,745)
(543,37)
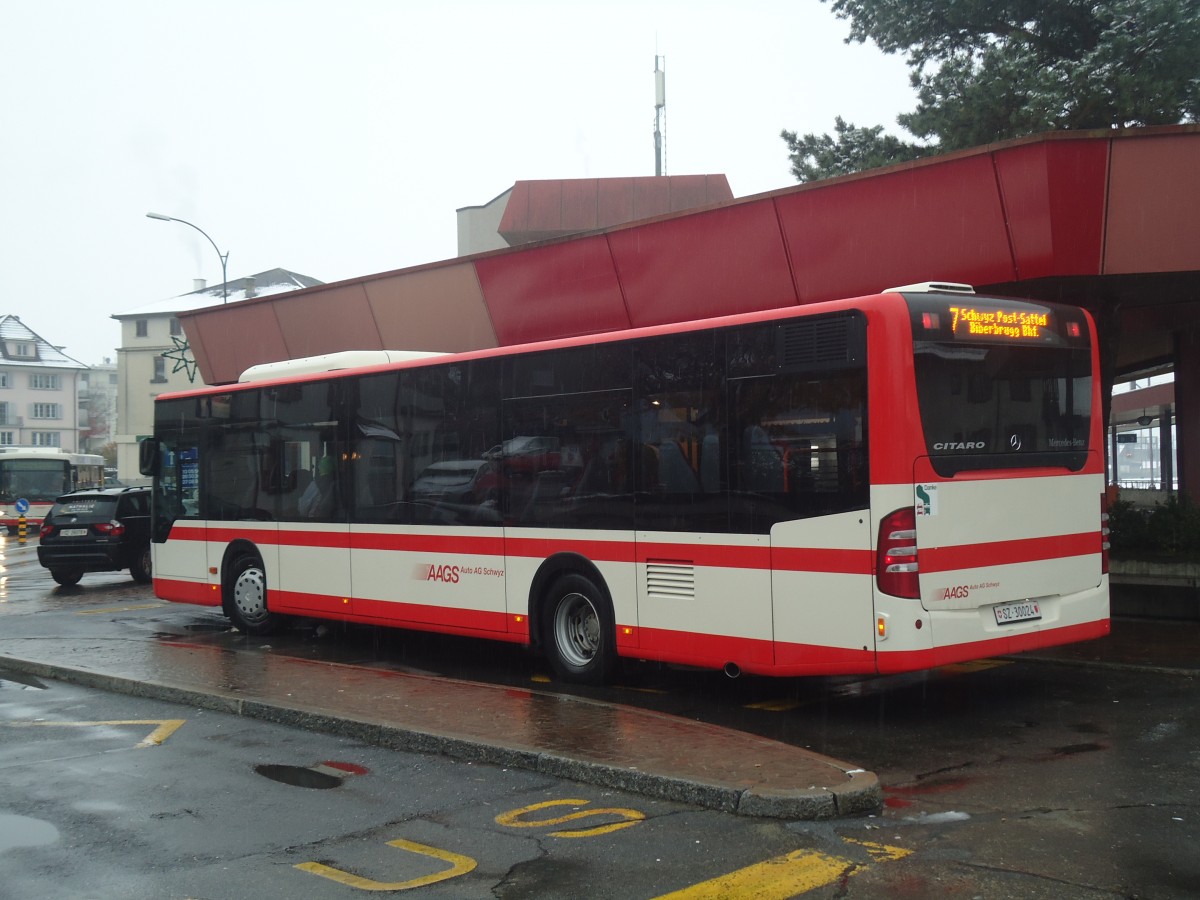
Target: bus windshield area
(1003,406)
(35,480)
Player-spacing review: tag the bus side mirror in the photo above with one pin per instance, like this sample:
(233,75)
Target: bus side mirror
(148,456)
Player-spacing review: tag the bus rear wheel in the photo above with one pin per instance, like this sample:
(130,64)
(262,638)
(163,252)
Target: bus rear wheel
(579,632)
(247,597)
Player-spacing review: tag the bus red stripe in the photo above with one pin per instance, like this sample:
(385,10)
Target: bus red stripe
(1002,553)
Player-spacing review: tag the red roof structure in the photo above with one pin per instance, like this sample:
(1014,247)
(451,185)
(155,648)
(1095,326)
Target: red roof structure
(543,210)
(1106,219)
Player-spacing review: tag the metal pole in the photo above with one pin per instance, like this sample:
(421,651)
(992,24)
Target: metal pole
(224,257)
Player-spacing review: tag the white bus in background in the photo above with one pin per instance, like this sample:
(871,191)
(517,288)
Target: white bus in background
(39,475)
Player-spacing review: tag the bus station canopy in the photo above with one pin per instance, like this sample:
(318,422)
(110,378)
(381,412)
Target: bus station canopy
(1104,219)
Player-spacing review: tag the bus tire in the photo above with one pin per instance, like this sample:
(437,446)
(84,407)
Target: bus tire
(67,577)
(142,567)
(580,635)
(247,597)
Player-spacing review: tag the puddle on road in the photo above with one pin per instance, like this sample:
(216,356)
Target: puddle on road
(298,776)
(23,681)
(22,831)
(325,775)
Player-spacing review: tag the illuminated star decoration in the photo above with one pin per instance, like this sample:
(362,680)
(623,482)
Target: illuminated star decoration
(183,357)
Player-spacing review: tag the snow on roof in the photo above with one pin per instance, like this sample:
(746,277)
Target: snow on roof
(273,281)
(47,356)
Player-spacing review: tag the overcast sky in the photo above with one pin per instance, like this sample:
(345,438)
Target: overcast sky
(338,139)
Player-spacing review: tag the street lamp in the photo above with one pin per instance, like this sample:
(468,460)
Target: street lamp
(224,257)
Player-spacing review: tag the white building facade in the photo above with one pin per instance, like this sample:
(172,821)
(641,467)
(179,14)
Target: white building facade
(39,390)
(153,357)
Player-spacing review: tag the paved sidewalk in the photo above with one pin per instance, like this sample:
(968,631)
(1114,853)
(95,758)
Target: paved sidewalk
(598,743)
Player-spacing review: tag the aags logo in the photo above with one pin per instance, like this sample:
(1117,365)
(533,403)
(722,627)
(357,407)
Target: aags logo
(445,574)
(958,592)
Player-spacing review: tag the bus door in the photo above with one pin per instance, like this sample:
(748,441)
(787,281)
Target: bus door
(801,466)
(427,543)
(176,515)
(314,537)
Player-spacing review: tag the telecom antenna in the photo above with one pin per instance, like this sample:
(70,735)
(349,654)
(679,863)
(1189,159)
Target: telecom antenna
(660,110)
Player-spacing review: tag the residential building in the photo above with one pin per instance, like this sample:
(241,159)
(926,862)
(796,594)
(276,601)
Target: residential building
(154,357)
(39,389)
(98,406)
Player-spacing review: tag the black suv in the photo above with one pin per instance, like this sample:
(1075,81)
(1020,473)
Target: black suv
(97,530)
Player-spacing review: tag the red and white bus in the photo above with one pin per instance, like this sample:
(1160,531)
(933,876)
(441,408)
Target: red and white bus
(881,484)
(38,476)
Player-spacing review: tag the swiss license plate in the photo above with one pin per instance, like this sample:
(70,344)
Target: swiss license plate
(73,532)
(1021,611)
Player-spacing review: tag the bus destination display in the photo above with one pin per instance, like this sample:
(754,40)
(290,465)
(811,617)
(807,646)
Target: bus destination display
(1011,324)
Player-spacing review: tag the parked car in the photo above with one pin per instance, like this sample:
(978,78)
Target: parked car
(97,530)
(469,481)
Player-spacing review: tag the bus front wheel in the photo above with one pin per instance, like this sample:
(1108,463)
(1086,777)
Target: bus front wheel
(579,631)
(247,605)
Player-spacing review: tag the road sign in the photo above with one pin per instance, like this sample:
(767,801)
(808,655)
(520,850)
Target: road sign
(22,506)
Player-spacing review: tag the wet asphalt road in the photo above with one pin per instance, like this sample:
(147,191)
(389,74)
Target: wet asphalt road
(1007,778)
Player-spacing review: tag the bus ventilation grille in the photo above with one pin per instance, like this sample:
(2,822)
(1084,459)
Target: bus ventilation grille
(821,343)
(670,578)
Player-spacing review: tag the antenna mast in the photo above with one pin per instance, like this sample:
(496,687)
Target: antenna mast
(660,106)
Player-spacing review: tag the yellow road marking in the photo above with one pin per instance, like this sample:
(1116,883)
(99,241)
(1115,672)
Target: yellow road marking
(974,665)
(777,705)
(166,727)
(784,877)
(459,865)
(512,818)
(113,609)
(879,852)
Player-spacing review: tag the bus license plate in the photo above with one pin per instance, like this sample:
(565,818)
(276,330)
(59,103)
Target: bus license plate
(73,532)
(1021,611)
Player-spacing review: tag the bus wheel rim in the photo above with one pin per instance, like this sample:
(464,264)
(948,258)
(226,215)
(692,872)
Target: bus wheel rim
(577,630)
(250,595)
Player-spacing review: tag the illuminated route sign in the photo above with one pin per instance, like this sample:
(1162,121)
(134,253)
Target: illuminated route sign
(993,321)
(1014,324)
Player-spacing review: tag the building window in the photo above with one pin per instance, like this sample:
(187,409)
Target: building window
(160,370)
(47,439)
(176,328)
(142,327)
(6,417)
(47,411)
(45,382)
(3,379)
(23,350)
(6,438)
(112,377)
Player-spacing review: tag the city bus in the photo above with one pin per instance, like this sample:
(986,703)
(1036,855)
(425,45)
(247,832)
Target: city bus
(875,485)
(39,475)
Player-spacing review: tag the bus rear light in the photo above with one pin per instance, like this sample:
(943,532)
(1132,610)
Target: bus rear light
(1073,330)
(931,321)
(1104,534)
(881,627)
(896,571)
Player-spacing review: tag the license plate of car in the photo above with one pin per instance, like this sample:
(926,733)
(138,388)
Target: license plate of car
(73,532)
(1021,611)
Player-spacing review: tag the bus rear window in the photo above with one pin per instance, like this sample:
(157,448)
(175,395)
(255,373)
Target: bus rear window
(1001,407)
(987,402)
